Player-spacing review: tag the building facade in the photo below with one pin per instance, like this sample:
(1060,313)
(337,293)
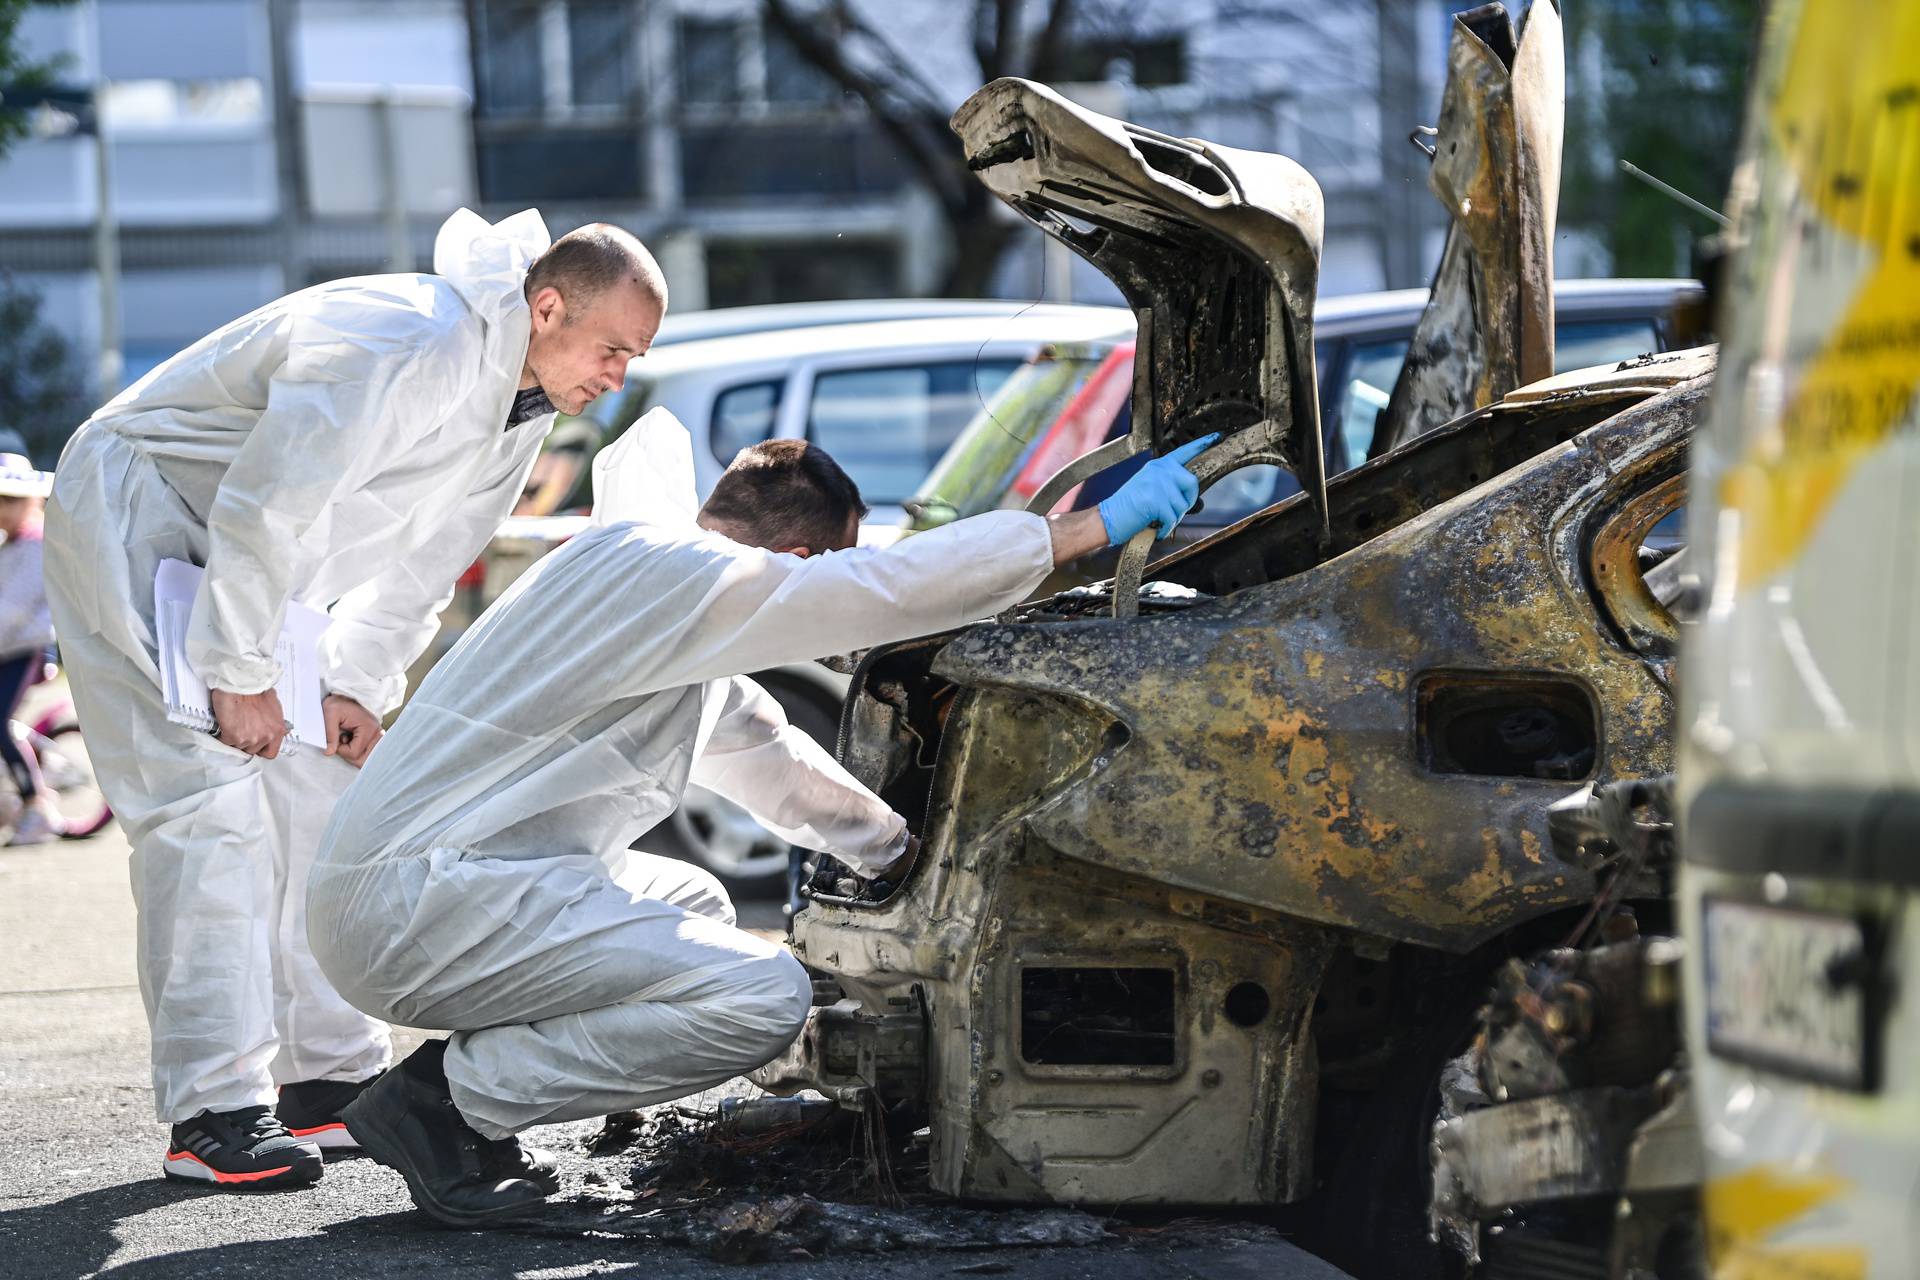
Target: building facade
(257,146)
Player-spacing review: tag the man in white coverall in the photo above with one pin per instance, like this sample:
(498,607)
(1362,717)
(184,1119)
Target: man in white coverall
(477,879)
(352,446)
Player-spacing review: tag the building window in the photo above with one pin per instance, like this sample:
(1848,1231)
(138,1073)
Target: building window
(509,59)
(740,273)
(556,86)
(170,104)
(759,120)
(1143,60)
(600,53)
(553,58)
(560,164)
(710,62)
(746,66)
(792,80)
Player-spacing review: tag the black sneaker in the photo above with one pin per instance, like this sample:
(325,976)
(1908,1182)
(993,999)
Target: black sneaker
(244,1149)
(311,1110)
(455,1175)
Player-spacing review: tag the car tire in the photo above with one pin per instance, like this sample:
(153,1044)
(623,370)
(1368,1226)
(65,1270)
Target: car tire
(715,834)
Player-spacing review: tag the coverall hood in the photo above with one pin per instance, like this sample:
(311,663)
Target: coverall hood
(487,263)
(647,474)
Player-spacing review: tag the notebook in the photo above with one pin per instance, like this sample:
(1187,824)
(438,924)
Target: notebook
(174,587)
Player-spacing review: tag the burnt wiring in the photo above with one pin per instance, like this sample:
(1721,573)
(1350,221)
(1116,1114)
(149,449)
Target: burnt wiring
(1609,823)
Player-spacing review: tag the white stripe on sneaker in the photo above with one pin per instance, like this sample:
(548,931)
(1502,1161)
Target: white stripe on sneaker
(328,1137)
(185,1166)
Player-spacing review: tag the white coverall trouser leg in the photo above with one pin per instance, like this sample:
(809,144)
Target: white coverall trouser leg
(222,842)
(572,991)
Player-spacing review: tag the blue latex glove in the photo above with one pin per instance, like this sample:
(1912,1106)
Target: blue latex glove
(1159,494)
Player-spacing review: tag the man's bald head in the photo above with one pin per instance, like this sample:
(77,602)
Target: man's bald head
(595,299)
(585,263)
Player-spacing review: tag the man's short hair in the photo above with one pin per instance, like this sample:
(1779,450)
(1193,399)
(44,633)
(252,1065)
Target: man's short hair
(585,263)
(784,493)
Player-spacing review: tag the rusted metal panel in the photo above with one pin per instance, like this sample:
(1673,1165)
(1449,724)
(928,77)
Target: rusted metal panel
(1236,791)
(1272,742)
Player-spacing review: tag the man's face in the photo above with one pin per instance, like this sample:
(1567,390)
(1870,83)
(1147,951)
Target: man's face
(579,354)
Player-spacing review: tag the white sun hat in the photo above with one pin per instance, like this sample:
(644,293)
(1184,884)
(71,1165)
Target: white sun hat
(18,479)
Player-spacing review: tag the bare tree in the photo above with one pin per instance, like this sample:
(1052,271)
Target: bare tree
(1010,38)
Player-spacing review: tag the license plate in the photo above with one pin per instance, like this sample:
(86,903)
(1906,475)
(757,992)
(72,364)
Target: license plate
(1771,998)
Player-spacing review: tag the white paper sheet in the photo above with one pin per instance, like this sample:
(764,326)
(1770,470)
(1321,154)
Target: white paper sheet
(175,585)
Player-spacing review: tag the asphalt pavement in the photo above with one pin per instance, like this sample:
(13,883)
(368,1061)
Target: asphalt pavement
(81,1192)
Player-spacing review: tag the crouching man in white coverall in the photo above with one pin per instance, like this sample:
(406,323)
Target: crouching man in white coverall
(351,446)
(477,879)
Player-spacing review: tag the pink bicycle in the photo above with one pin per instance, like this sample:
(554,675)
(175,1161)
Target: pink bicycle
(66,770)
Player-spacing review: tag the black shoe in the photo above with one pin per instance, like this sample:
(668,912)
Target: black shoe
(245,1149)
(536,1166)
(454,1174)
(311,1110)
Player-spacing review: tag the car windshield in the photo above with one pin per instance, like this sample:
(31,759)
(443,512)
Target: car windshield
(977,471)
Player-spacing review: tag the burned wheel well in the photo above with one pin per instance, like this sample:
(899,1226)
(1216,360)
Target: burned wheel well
(893,723)
(1374,1009)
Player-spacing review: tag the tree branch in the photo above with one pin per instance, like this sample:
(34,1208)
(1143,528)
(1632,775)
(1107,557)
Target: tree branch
(889,102)
(1049,52)
(1006,40)
(909,83)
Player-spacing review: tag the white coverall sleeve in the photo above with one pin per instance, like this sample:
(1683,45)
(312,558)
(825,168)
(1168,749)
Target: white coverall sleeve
(381,627)
(360,380)
(780,775)
(768,609)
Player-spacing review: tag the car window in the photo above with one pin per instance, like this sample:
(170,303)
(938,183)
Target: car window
(744,416)
(1581,344)
(1365,387)
(1239,493)
(888,426)
(1670,532)
(1670,573)
(977,473)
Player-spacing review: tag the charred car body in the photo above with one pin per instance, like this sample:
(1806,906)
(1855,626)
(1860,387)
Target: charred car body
(1216,873)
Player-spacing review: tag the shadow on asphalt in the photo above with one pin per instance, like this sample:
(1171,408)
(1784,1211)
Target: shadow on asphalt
(83,1224)
(77,1235)
(84,1229)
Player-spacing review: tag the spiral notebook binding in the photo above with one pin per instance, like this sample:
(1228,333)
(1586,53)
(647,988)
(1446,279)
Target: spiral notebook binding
(187,698)
(192,717)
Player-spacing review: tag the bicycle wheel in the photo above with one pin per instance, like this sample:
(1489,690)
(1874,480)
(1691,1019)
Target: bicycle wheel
(68,772)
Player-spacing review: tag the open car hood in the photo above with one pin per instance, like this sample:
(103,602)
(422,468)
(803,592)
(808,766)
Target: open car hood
(1216,249)
(1488,326)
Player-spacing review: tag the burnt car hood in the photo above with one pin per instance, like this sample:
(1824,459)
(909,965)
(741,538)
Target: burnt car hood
(1216,249)
(1488,326)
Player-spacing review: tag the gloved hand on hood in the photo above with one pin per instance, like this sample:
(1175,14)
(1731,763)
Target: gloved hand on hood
(1159,494)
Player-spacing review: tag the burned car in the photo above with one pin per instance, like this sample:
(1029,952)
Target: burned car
(1217,871)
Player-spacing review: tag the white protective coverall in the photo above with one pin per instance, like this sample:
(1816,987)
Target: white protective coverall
(477,876)
(345,446)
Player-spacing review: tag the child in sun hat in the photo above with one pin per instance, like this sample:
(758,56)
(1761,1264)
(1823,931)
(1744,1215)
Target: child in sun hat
(25,633)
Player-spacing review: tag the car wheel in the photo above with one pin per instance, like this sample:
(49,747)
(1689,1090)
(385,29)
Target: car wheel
(711,831)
